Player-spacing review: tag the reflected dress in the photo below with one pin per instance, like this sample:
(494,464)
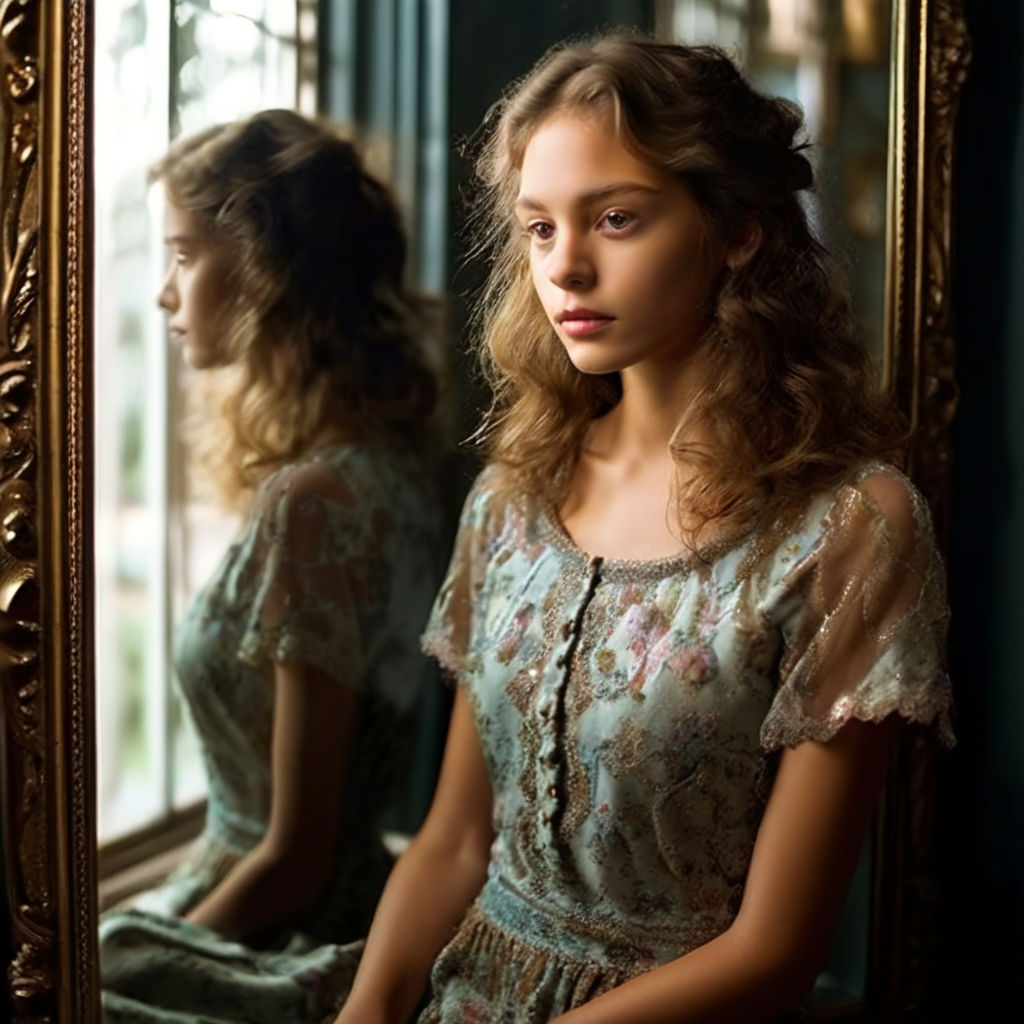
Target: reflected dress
(334,569)
(631,715)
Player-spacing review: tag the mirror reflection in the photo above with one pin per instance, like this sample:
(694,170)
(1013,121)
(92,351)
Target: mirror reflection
(156,76)
(310,406)
(297,402)
(170,70)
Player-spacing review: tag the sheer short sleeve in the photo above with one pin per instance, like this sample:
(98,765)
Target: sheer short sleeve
(449,630)
(318,573)
(864,618)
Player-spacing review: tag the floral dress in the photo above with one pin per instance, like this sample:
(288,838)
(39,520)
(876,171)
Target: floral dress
(335,569)
(631,714)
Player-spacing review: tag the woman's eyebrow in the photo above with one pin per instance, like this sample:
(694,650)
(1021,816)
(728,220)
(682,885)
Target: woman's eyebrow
(592,195)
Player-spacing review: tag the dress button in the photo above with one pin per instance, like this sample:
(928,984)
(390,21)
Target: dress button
(567,630)
(560,661)
(545,712)
(552,790)
(552,758)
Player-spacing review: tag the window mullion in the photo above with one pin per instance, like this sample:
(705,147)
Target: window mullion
(431,223)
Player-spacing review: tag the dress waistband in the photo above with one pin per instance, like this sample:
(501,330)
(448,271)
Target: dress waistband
(227,828)
(580,932)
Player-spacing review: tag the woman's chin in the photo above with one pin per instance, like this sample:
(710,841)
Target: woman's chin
(200,358)
(594,365)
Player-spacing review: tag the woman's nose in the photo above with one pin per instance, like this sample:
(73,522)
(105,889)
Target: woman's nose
(167,297)
(571,267)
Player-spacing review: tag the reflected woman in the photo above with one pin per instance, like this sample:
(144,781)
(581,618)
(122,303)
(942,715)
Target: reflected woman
(299,660)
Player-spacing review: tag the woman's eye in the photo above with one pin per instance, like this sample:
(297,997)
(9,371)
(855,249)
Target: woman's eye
(617,220)
(540,229)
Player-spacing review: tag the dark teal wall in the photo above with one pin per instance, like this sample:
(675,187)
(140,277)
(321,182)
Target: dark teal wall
(493,43)
(981,806)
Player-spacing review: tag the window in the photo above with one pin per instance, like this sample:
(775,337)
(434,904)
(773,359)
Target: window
(724,22)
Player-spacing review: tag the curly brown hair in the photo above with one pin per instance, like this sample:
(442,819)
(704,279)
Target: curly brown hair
(793,401)
(323,330)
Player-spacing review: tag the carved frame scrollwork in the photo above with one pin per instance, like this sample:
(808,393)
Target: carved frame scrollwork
(46,651)
(46,665)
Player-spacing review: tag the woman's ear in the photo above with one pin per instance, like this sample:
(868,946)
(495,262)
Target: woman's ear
(740,253)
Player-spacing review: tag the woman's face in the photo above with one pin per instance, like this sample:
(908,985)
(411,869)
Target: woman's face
(617,248)
(196,291)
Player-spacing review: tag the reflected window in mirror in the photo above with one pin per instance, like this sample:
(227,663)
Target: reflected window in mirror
(723,22)
(161,68)
(831,57)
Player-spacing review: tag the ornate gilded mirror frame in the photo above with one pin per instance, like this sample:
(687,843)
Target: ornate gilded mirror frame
(46,686)
(46,650)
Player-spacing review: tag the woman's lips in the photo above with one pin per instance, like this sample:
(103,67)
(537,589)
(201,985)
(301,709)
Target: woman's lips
(581,323)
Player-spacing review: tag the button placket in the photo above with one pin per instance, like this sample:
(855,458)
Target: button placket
(552,710)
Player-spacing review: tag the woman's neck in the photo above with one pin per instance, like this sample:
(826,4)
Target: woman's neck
(622,501)
(656,400)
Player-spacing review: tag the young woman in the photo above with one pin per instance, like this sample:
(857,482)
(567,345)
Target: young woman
(299,660)
(691,606)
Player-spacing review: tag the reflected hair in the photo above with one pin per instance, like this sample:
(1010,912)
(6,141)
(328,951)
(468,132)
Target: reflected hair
(793,400)
(322,330)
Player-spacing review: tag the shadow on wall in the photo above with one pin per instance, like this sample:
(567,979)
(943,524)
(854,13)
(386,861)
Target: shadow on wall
(981,799)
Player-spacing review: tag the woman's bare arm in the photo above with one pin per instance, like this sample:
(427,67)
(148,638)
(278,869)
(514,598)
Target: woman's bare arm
(314,721)
(431,886)
(805,854)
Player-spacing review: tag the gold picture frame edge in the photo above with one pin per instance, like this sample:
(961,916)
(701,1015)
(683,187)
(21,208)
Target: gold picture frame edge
(46,677)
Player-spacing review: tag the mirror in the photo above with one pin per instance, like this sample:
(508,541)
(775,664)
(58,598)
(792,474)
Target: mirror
(156,540)
(47,351)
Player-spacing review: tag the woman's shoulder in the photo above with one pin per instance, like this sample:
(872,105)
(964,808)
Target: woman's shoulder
(494,495)
(874,508)
(880,496)
(343,472)
(315,476)
(346,482)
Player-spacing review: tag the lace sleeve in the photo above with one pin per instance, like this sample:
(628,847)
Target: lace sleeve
(321,577)
(864,619)
(449,630)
